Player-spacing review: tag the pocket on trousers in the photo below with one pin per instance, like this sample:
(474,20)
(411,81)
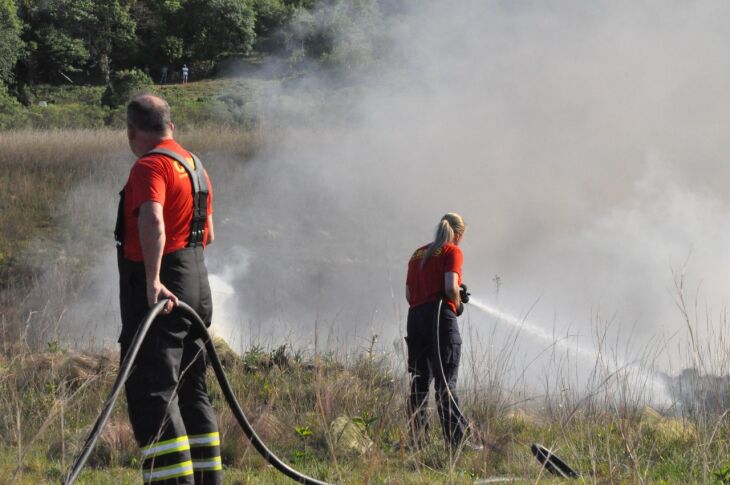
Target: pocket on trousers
(416,351)
(452,354)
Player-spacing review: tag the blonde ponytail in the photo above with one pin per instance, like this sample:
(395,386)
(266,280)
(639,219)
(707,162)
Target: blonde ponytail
(448,227)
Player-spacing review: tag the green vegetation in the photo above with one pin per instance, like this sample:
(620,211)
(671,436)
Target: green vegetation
(340,418)
(124,85)
(337,417)
(215,102)
(85,41)
(74,63)
(10,43)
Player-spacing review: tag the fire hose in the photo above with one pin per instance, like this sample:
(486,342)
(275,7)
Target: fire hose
(547,458)
(124,371)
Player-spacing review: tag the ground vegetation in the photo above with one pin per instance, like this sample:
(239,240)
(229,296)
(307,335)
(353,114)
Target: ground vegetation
(339,416)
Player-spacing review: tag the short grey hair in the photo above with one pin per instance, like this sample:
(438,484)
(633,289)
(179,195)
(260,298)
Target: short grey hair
(149,113)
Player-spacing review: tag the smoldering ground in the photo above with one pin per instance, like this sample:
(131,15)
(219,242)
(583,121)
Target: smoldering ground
(584,143)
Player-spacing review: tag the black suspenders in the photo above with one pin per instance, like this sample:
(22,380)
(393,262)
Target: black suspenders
(200,194)
(200,200)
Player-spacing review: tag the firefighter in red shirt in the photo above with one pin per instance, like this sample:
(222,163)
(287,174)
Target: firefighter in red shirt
(434,276)
(163,224)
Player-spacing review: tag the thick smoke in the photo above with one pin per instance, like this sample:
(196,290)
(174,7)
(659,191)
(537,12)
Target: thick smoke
(584,143)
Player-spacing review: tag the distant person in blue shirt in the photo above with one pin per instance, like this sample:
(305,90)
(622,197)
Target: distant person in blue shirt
(185,72)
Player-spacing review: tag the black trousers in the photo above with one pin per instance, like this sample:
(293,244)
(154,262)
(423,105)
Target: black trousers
(167,397)
(424,365)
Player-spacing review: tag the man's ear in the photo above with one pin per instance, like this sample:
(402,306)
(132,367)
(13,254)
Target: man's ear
(172,127)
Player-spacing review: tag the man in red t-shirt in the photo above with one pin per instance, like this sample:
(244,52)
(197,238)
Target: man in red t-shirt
(433,293)
(164,223)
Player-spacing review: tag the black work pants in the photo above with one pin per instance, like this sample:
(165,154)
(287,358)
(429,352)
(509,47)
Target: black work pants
(426,359)
(167,398)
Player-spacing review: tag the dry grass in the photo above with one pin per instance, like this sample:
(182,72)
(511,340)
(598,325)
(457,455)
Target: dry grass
(50,395)
(59,194)
(49,400)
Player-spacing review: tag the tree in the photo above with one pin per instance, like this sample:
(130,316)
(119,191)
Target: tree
(216,29)
(57,53)
(339,33)
(10,43)
(125,84)
(156,32)
(109,31)
(75,36)
(270,14)
(172,48)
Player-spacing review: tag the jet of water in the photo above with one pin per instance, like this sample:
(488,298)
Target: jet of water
(655,383)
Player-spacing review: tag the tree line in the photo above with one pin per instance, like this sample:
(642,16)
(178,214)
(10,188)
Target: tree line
(85,41)
(125,44)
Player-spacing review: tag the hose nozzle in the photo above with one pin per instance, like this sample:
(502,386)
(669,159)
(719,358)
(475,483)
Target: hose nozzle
(463,293)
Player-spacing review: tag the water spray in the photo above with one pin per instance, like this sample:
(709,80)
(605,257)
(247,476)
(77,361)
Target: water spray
(656,386)
(547,458)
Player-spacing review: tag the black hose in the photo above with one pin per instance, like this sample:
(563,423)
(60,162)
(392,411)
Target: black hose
(123,374)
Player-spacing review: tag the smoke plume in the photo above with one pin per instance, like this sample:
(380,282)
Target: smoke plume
(584,143)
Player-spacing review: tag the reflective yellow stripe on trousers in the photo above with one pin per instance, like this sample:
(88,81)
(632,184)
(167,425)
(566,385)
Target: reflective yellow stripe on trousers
(165,447)
(208,439)
(168,472)
(208,464)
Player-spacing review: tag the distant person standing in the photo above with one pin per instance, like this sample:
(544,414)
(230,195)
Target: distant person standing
(185,72)
(163,75)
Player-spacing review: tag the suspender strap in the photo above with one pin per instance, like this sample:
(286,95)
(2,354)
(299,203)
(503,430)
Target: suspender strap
(119,227)
(200,194)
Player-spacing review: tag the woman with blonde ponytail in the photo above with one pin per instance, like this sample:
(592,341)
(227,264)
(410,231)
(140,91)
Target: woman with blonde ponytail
(433,283)
(449,230)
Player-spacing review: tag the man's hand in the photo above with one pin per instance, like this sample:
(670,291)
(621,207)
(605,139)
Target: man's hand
(156,292)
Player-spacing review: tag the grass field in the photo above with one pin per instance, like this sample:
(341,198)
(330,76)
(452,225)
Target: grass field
(50,398)
(220,102)
(339,418)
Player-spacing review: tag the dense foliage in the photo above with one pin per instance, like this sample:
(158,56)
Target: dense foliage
(10,44)
(123,46)
(123,85)
(84,41)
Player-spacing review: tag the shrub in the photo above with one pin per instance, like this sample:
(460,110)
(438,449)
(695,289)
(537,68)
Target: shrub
(69,116)
(12,113)
(124,85)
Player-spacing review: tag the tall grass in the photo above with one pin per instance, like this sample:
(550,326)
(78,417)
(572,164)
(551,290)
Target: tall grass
(337,414)
(58,207)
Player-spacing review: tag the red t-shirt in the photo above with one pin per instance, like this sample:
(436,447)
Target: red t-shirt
(426,284)
(161,179)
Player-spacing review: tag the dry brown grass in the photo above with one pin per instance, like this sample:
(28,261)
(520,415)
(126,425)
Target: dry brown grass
(60,186)
(49,397)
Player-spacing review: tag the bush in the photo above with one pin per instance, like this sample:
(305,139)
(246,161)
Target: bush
(12,113)
(69,116)
(124,85)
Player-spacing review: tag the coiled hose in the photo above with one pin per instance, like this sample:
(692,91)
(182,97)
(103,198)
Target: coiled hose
(230,397)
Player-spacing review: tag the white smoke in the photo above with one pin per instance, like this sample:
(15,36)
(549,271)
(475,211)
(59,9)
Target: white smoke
(584,143)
